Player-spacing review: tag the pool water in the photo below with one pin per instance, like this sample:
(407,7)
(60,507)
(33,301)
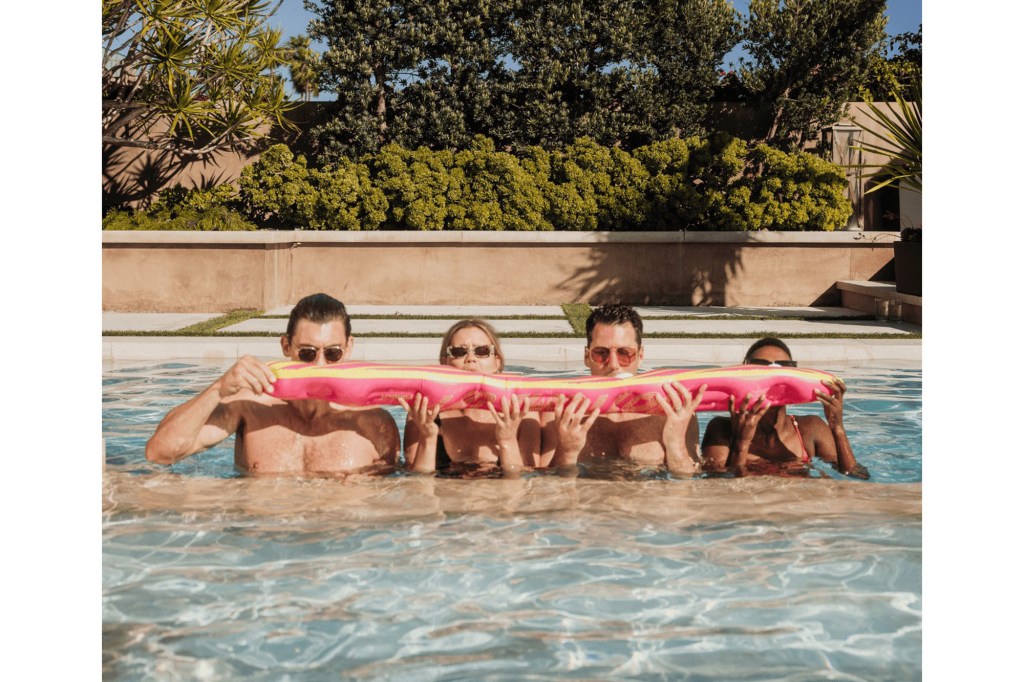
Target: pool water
(208,575)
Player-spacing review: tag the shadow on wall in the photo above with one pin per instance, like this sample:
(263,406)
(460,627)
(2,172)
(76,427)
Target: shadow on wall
(135,177)
(635,274)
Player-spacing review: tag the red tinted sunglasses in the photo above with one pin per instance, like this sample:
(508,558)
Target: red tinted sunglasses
(331,354)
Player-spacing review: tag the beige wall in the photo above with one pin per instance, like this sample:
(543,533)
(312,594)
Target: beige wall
(210,272)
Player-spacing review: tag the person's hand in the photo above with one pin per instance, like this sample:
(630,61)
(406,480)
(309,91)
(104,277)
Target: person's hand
(679,408)
(573,421)
(745,416)
(833,403)
(246,374)
(507,421)
(422,415)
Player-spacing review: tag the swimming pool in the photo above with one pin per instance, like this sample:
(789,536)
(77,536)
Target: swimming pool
(208,575)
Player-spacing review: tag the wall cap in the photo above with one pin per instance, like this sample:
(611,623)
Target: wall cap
(490,238)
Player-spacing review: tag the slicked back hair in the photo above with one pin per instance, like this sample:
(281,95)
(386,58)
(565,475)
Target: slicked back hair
(483,326)
(767,341)
(319,308)
(615,313)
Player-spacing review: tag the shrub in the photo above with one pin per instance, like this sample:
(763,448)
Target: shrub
(280,191)
(497,193)
(214,218)
(610,178)
(416,185)
(795,191)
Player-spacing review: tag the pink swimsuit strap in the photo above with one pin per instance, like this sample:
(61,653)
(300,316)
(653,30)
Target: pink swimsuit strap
(803,449)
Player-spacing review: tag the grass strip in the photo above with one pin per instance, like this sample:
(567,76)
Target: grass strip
(226,320)
(577,314)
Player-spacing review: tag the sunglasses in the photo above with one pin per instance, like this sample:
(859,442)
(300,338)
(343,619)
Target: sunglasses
(331,354)
(456,352)
(604,355)
(769,363)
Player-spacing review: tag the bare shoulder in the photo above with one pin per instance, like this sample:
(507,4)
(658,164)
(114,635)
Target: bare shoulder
(813,425)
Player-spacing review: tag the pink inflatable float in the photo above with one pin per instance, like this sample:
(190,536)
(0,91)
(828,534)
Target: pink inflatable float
(360,383)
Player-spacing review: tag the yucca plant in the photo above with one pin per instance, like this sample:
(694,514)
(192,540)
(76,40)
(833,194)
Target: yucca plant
(900,142)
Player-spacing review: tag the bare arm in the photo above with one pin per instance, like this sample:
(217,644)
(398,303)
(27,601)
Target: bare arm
(421,433)
(209,417)
(837,449)
(679,436)
(727,443)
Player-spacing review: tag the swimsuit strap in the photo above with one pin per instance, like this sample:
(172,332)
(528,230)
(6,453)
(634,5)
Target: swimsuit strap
(803,449)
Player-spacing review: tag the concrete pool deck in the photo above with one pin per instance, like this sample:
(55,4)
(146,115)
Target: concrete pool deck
(900,346)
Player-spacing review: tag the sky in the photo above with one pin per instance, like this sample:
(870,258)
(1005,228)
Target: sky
(292,18)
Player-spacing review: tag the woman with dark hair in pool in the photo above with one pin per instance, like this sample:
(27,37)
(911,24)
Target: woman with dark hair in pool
(757,438)
(506,435)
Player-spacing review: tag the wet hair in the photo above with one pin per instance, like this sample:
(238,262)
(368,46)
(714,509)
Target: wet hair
(615,313)
(318,308)
(767,341)
(485,327)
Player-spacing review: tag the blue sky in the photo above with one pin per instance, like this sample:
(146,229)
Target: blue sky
(904,15)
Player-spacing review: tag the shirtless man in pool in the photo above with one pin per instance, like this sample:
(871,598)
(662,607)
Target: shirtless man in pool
(277,436)
(614,347)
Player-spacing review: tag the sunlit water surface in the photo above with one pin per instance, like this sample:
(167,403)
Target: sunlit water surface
(209,575)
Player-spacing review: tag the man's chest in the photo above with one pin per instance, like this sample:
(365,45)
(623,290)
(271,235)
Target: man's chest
(637,438)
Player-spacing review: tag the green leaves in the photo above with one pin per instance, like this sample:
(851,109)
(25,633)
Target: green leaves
(807,58)
(900,142)
(692,184)
(190,76)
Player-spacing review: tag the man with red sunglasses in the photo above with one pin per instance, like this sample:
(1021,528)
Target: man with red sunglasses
(614,348)
(278,436)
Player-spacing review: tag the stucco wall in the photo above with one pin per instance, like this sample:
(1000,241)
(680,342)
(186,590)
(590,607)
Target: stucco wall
(185,272)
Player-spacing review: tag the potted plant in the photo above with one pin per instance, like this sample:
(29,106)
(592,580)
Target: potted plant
(900,143)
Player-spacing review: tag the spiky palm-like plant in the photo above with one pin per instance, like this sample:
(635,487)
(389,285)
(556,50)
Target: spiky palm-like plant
(900,142)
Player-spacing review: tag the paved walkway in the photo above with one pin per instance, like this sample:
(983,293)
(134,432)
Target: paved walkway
(557,352)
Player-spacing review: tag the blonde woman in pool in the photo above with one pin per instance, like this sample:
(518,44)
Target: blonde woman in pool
(506,434)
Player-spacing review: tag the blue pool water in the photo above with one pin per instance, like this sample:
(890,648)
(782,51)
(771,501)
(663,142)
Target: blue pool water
(208,575)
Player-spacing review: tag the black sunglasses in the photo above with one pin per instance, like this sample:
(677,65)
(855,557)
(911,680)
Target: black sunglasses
(769,363)
(457,352)
(331,354)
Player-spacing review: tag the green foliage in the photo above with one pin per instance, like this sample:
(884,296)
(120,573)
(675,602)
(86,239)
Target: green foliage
(807,59)
(901,142)
(280,191)
(190,76)
(497,192)
(897,71)
(691,184)
(691,181)
(211,219)
(521,72)
(304,66)
(794,191)
(417,185)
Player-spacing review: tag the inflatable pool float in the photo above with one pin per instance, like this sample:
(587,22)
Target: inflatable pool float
(363,383)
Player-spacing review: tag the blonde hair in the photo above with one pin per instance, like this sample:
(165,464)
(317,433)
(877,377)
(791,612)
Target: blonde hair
(485,327)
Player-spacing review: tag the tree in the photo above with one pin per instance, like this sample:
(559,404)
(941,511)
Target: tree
(373,50)
(303,67)
(573,73)
(684,41)
(897,71)
(189,76)
(807,59)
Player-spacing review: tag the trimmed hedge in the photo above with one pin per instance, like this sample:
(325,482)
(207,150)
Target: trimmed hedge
(716,183)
